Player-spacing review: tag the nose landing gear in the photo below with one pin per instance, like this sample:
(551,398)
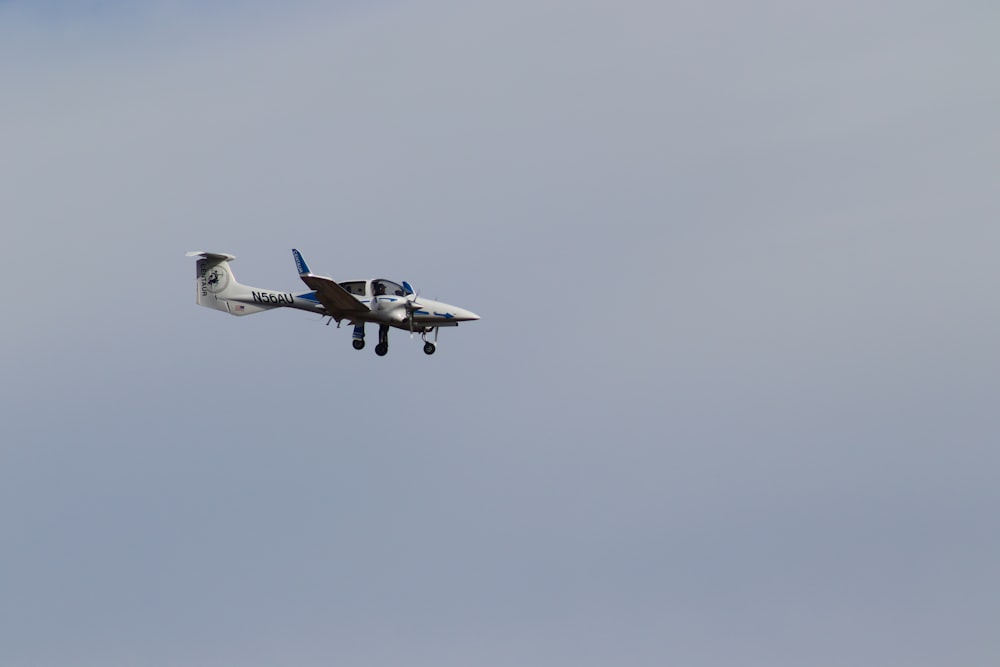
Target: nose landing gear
(429,347)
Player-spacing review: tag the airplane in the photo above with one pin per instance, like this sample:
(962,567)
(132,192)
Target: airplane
(377,300)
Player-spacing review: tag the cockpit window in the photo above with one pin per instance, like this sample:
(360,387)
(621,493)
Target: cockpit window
(387,288)
(356,287)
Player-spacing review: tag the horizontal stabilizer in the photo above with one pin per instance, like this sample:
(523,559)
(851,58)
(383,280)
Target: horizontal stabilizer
(217,256)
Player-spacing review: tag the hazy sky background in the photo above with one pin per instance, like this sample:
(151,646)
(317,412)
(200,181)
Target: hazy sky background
(733,399)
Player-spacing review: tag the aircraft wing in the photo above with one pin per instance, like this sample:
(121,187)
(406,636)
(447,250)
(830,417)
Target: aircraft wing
(337,301)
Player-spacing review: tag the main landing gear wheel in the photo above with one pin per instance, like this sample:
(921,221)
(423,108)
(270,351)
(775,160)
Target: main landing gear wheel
(358,344)
(383,340)
(429,348)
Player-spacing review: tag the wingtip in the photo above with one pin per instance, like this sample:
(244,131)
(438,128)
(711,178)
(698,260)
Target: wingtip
(300,263)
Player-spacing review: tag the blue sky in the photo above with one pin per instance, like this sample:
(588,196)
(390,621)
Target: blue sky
(732,398)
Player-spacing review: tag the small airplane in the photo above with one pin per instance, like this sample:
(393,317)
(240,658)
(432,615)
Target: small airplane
(377,300)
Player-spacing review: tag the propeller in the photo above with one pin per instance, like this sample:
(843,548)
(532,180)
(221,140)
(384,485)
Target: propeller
(410,303)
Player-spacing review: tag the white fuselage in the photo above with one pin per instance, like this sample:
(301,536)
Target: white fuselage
(383,309)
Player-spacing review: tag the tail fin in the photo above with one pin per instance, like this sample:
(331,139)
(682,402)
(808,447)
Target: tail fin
(216,286)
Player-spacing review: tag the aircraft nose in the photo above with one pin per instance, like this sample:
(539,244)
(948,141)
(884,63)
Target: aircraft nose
(468,315)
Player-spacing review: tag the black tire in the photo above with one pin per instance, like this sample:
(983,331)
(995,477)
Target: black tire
(382,349)
(359,344)
(430,348)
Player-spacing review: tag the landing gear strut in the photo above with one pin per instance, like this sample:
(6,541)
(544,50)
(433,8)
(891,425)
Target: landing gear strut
(429,347)
(359,337)
(383,340)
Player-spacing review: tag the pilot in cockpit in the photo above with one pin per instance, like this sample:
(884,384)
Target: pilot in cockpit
(378,288)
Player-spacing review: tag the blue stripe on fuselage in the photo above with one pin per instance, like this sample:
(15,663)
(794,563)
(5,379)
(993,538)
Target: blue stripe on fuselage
(308,296)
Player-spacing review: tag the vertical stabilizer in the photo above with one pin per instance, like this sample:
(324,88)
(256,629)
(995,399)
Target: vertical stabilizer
(216,286)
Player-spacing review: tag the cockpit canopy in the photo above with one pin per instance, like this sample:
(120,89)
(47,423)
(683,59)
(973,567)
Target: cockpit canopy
(356,287)
(382,287)
(379,287)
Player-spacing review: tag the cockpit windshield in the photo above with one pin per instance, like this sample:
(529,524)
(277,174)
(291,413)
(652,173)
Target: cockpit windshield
(382,287)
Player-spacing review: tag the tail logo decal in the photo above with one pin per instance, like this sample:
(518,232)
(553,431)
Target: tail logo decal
(215,280)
